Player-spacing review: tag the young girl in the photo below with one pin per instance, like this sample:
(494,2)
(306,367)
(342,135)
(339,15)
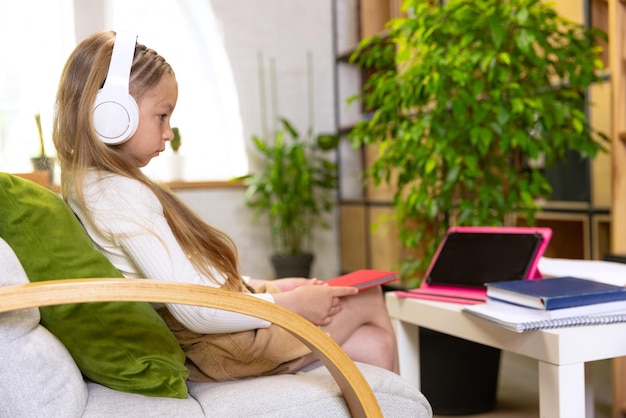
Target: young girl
(147,232)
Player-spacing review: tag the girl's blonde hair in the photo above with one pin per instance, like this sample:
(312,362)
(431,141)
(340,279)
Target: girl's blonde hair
(79,149)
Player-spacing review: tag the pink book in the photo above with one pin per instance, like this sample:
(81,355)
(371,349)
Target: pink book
(364,279)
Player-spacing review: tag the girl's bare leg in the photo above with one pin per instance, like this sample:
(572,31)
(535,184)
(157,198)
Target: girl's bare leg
(364,330)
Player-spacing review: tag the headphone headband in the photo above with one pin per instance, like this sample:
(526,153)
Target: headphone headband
(115,113)
(121,61)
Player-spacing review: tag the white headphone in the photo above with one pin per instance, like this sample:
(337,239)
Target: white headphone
(115,112)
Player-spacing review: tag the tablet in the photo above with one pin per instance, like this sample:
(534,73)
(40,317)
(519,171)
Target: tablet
(468,257)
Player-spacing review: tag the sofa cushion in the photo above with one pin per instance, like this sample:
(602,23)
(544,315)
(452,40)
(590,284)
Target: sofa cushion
(39,377)
(104,402)
(311,393)
(123,345)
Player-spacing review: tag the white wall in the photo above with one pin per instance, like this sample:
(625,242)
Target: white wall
(283,30)
(225,210)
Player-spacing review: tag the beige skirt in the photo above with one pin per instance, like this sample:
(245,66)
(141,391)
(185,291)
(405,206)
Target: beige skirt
(222,357)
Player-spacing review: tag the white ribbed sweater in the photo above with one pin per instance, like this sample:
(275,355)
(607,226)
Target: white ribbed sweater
(131,231)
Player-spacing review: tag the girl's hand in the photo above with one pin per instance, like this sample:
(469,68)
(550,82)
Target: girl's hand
(317,303)
(291,283)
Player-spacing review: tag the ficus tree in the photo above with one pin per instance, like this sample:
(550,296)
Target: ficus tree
(462,98)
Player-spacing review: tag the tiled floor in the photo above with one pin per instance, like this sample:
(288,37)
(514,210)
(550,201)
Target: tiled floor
(518,389)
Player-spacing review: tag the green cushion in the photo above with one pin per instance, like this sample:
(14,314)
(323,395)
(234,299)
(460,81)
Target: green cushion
(123,345)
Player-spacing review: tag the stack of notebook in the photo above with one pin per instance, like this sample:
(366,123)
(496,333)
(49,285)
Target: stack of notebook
(551,303)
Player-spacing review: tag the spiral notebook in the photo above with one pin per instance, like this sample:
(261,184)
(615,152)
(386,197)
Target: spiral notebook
(521,322)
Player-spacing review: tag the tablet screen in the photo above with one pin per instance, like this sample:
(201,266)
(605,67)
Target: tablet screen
(473,259)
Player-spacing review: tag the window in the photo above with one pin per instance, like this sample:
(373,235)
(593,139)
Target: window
(183,31)
(30,68)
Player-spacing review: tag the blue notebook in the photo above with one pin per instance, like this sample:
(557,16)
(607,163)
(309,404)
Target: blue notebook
(555,293)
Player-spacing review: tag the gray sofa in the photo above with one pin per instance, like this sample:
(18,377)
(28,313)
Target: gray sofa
(40,378)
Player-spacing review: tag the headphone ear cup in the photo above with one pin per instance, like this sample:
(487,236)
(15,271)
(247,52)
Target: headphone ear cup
(115,119)
(115,112)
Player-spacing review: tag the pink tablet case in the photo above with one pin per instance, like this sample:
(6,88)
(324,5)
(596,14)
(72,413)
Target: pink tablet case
(473,295)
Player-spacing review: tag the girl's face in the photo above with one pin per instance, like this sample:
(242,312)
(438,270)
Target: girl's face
(154,130)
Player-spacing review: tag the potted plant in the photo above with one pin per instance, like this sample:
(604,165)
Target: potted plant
(42,162)
(464,97)
(295,189)
(176,141)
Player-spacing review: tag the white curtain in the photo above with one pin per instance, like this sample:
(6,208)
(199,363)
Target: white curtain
(216,70)
(30,66)
(185,32)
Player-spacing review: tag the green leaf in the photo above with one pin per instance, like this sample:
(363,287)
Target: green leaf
(431,165)
(289,127)
(522,16)
(524,41)
(328,142)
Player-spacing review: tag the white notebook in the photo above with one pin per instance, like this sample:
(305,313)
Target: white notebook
(520,319)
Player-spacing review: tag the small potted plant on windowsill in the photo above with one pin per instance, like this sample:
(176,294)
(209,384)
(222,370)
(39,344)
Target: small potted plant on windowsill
(42,162)
(176,161)
(295,188)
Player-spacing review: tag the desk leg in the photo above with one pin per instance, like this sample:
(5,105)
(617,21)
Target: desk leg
(562,390)
(590,396)
(407,336)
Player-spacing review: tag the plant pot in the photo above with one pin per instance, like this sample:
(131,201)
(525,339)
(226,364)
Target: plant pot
(288,265)
(458,377)
(44,163)
(176,164)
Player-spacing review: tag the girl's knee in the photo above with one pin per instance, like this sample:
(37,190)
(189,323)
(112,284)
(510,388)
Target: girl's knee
(369,297)
(386,349)
(389,341)
(384,341)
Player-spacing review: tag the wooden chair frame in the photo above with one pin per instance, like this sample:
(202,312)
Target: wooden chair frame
(356,391)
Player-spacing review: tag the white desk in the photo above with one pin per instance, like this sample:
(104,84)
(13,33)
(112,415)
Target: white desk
(561,353)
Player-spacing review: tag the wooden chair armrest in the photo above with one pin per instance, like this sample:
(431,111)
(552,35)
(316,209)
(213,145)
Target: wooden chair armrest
(356,391)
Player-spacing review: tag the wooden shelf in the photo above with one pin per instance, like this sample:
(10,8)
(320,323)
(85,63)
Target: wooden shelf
(368,234)
(617,231)
(374,15)
(345,55)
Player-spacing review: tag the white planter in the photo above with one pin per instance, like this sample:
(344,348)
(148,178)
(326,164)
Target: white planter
(176,164)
